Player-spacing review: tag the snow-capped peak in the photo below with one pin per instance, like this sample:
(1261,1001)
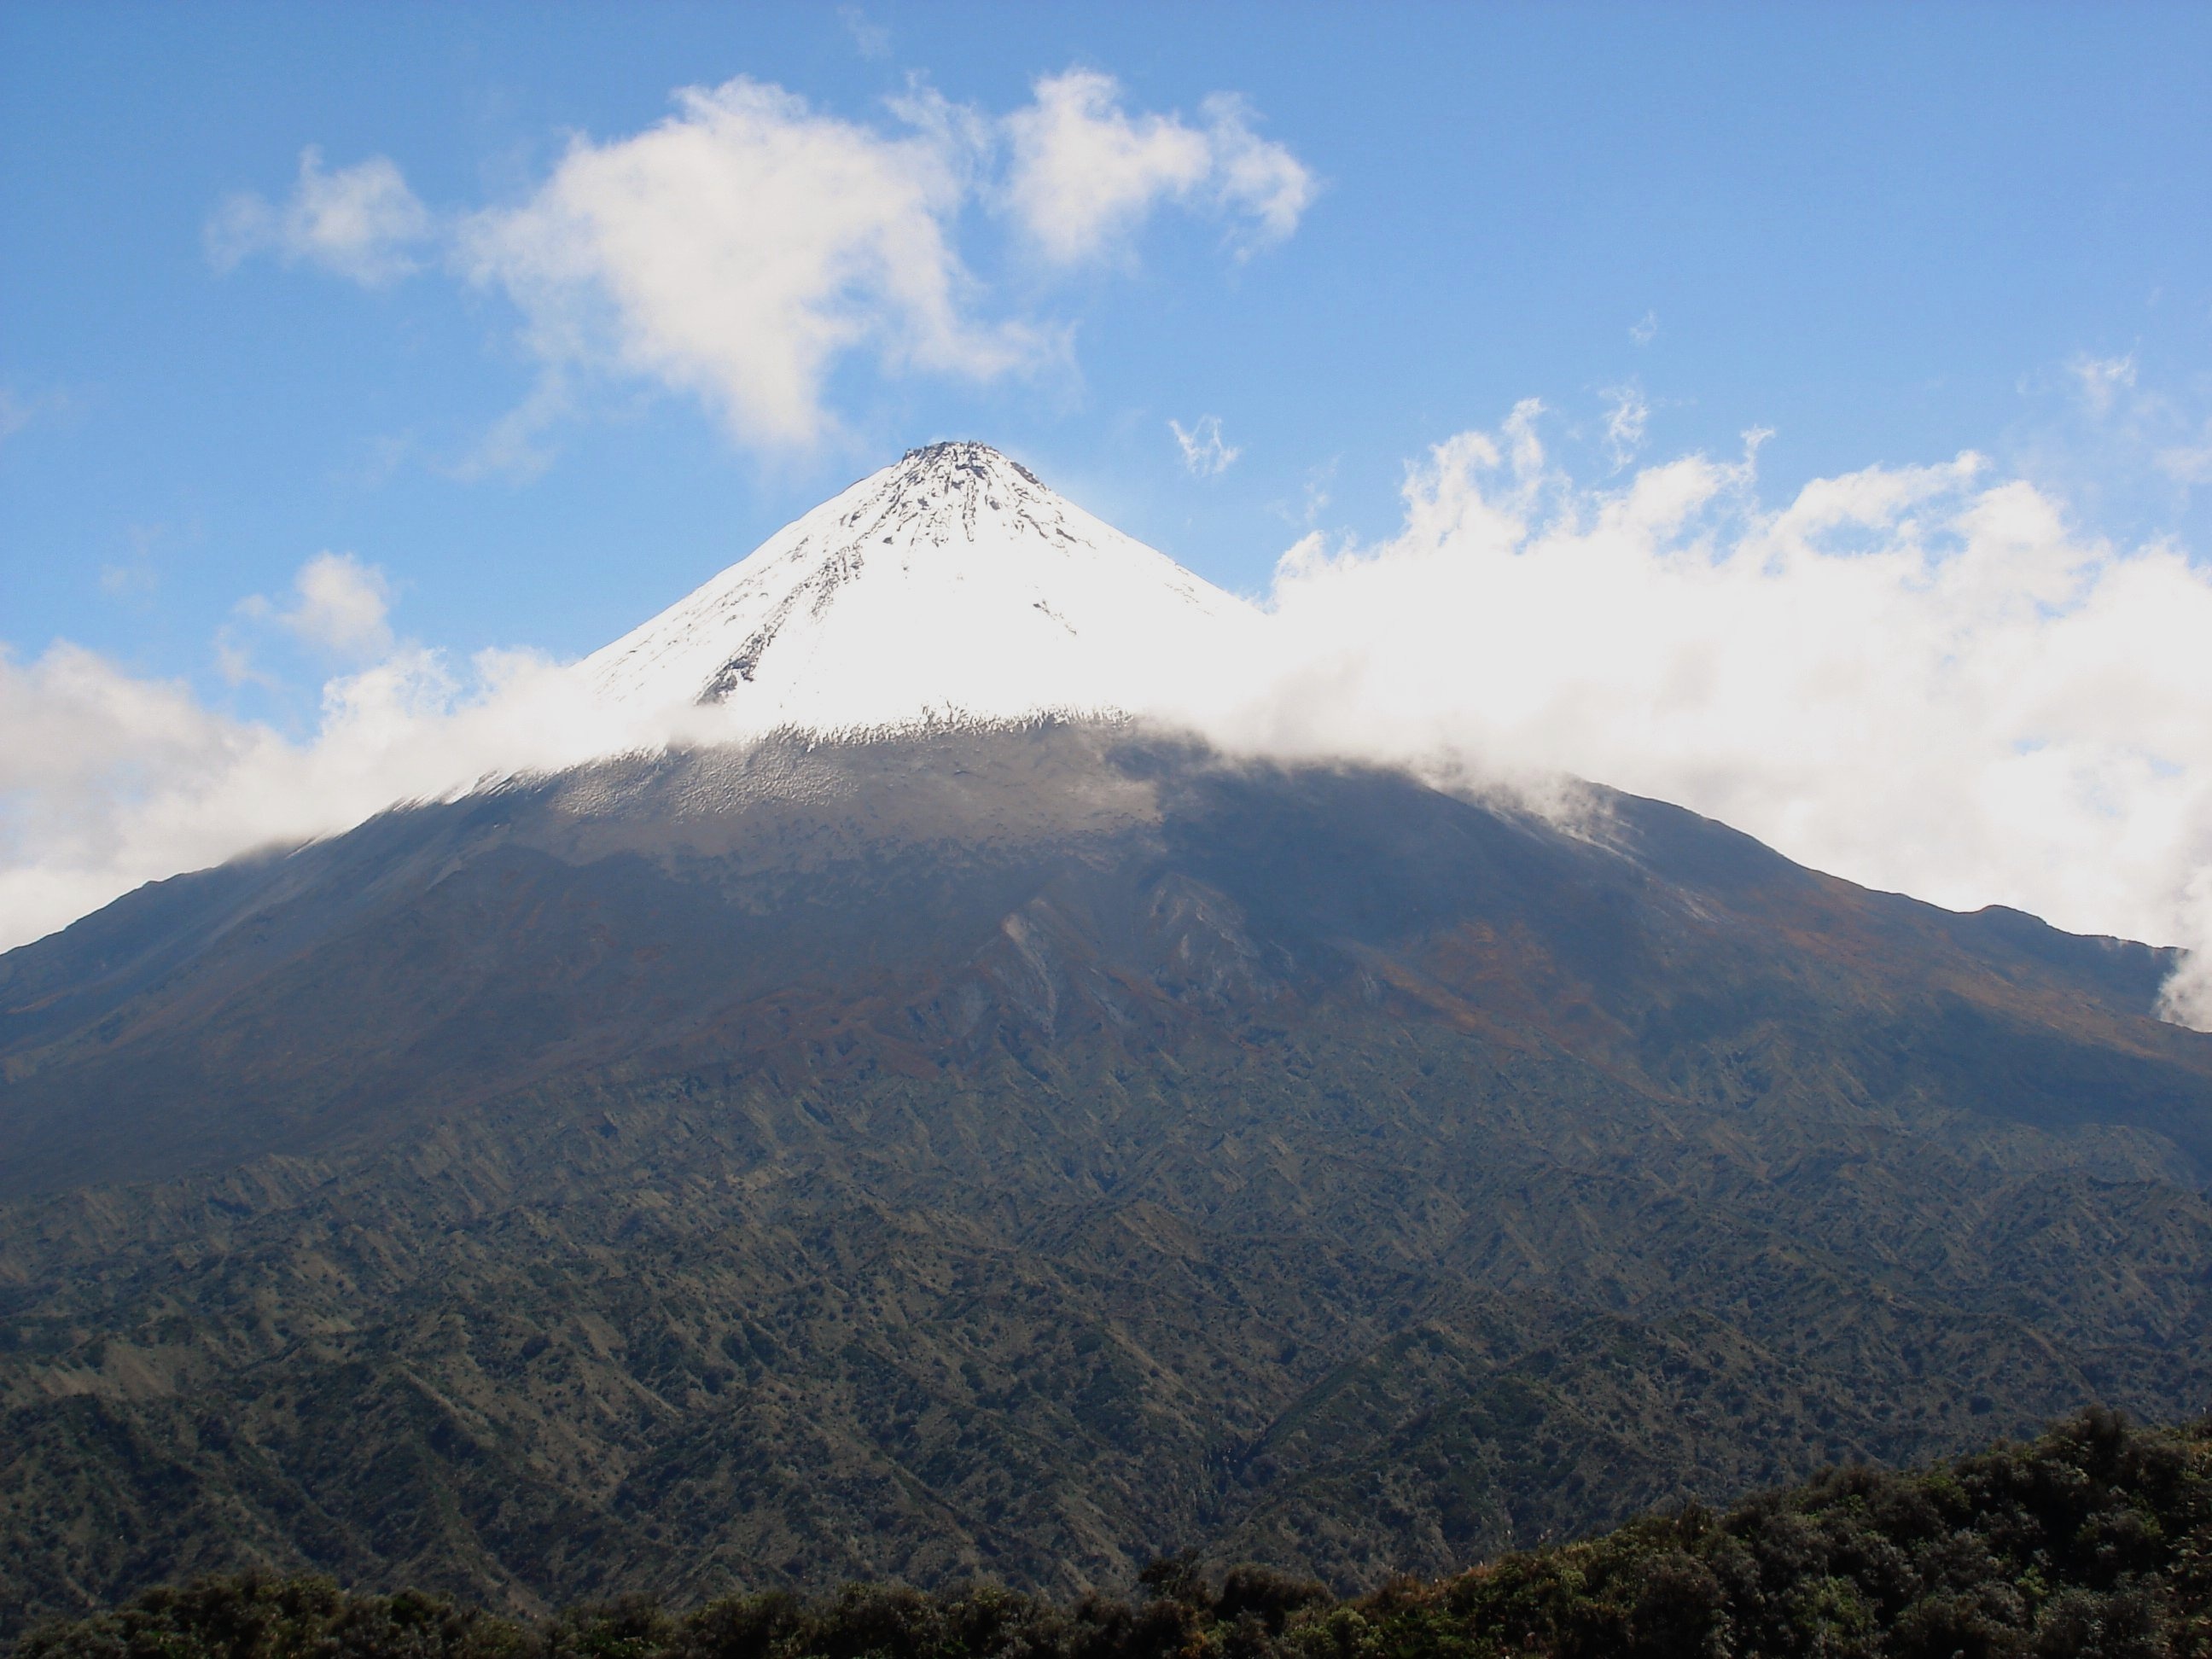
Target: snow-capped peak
(951,583)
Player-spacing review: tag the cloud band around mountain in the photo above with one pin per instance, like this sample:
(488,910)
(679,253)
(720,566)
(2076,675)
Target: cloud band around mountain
(1921,678)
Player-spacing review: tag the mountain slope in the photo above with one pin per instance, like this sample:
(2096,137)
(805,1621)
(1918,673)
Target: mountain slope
(1020,1148)
(1020,1152)
(1064,883)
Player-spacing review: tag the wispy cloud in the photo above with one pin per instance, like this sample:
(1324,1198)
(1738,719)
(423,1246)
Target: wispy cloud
(1645,328)
(340,605)
(19,411)
(1204,453)
(2118,435)
(361,221)
(14,414)
(135,577)
(872,39)
(1626,414)
(1315,498)
(2188,463)
(517,446)
(108,780)
(2102,380)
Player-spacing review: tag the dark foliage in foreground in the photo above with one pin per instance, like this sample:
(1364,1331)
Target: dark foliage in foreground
(2095,1539)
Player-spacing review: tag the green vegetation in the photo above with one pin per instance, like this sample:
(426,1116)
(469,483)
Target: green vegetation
(1015,1158)
(2094,1539)
(602,1342)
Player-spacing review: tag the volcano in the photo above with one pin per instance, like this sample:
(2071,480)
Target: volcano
(953,584)
(984,1131)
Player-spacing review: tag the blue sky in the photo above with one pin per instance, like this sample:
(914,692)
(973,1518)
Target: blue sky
(1883,233)
(342,344)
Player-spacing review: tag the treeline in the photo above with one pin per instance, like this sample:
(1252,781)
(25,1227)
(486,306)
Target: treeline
(2096,1539)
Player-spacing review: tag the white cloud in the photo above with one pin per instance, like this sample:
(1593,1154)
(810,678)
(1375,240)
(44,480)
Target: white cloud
(343,606)
(1203,452)
(340,608)
(80,739)
(108,780)
(1626,414)
(233,659)
(742,249)
(1085,172)
(1646,329)
(2102,380)
(361,222)
(1919,679)
(1254,177)
(738,248)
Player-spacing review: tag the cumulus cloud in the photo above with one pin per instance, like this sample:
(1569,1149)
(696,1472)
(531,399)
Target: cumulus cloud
(737,248)
(1921,678)
(1204,453)
(361,222)
(342,606)
(1085,172)
(742,247)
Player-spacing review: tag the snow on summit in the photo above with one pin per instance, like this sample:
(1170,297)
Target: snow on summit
(953,583)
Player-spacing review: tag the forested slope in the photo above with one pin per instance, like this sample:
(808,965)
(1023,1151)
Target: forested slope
(2094,1540)
(1021,1154)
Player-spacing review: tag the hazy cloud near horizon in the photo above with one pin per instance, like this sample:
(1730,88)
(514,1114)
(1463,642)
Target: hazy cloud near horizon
(1922,678)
